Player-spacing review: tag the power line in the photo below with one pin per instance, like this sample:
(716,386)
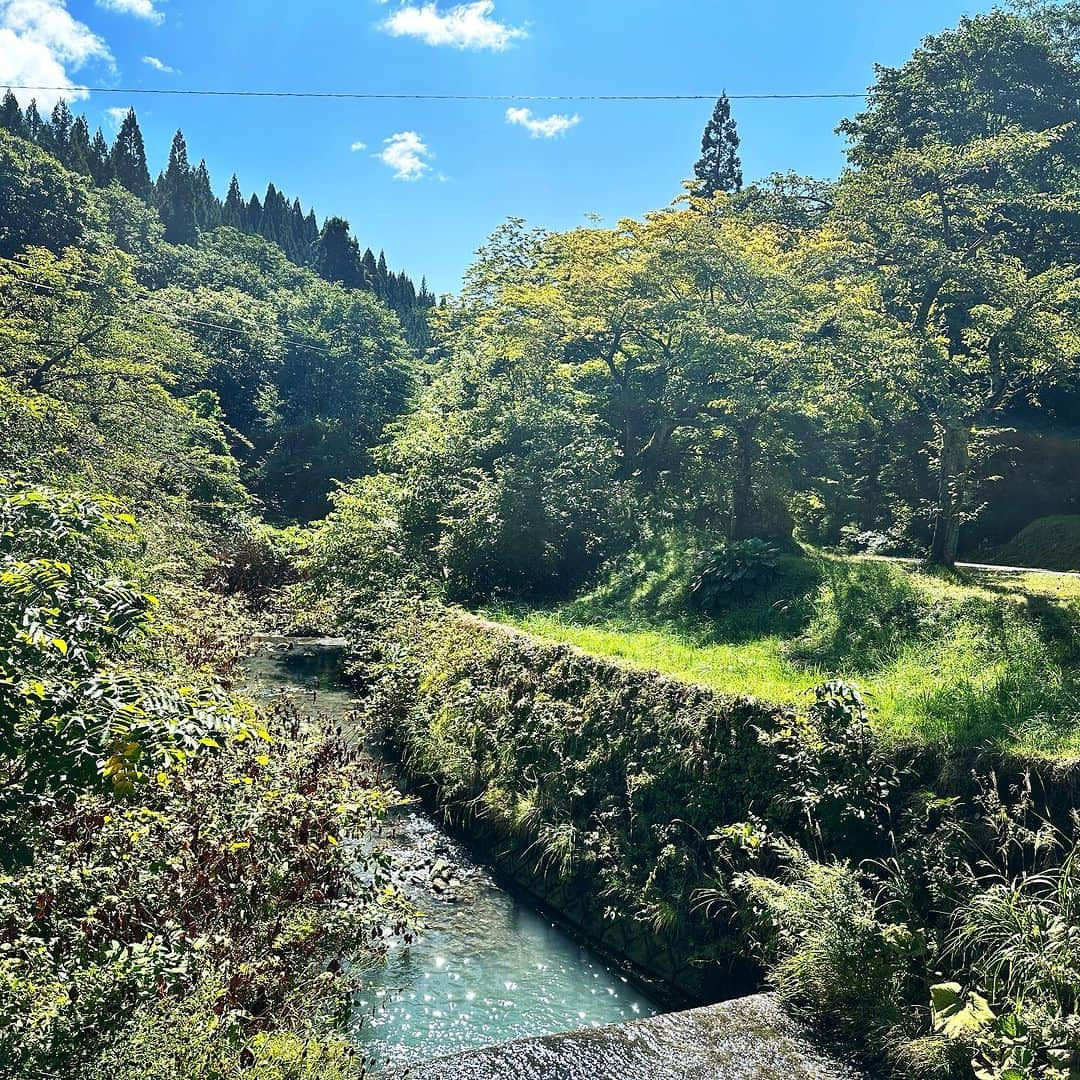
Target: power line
(370,95)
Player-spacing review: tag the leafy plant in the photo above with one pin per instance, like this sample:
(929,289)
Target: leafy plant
(69,709)
(826,950)
(836,776)
(734,571)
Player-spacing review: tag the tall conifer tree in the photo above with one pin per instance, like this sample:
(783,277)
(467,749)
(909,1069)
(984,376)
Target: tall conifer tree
(33,123)
(253,213)
(101,170)
(338,255)
(57,133)
(79,150)
(719,167)
(207,206)
(232,213)
(176,196)
(11,115)
(371,274)
(128,158)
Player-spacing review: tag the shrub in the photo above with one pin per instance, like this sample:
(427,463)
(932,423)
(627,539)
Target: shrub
(826,952)
(735,571)
(253,559)
(834,775)
(188,1040)
(71,710)
(245,868)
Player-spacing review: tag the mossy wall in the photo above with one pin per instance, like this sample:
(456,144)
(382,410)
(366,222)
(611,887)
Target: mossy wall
(595,786)
(601,789)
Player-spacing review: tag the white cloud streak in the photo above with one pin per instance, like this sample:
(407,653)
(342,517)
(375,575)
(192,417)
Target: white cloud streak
(463,26)
(116,115)
(158,65)
(141,9)
(39,42)
(406,153)
(542,127)
(358,145)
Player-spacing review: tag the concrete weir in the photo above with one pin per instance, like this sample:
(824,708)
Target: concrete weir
(750,1038)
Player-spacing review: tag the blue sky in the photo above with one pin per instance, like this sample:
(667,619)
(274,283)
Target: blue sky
(428,181)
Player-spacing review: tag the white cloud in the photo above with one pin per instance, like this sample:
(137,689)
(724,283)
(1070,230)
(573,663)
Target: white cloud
(542,127)
(141,9)
(116,115)
(358,145)
(39,42)
(464,26)
(158,65)
(406,154)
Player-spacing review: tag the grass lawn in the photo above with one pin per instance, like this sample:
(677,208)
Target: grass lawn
(972,661)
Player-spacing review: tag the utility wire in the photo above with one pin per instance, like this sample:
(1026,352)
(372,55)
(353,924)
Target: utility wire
(369,95)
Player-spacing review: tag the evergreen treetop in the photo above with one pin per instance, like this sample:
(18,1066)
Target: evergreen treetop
(719,167)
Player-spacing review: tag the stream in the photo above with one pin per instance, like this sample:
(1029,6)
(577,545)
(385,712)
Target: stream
(487,966)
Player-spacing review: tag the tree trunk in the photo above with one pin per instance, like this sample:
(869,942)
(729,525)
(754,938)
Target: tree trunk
(952,481)
(652,453)
(742,490)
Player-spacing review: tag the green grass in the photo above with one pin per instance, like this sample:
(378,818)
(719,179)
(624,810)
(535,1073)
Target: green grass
(955,662)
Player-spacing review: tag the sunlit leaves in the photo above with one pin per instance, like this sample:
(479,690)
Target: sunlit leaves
(68,706)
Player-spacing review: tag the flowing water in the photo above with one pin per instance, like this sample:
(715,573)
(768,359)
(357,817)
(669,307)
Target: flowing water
(487,966)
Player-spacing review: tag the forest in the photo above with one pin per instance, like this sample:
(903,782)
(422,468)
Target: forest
(769,439)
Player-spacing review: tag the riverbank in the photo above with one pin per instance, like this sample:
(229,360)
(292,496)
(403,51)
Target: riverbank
(710,837)
(484,965)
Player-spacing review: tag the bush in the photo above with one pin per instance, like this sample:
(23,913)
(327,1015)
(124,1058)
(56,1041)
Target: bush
(187,1040)
(359,554)
(736,571)
(72,712)
(253,559)
(826,952)
(245,868)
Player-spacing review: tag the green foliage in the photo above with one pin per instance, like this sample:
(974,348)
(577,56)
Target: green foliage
(733,573)
(237,874)
(360,553)
(69,709)
(44,204)
(836,778)
(509,489)
(829,954)
(254,559)
(188,1041)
